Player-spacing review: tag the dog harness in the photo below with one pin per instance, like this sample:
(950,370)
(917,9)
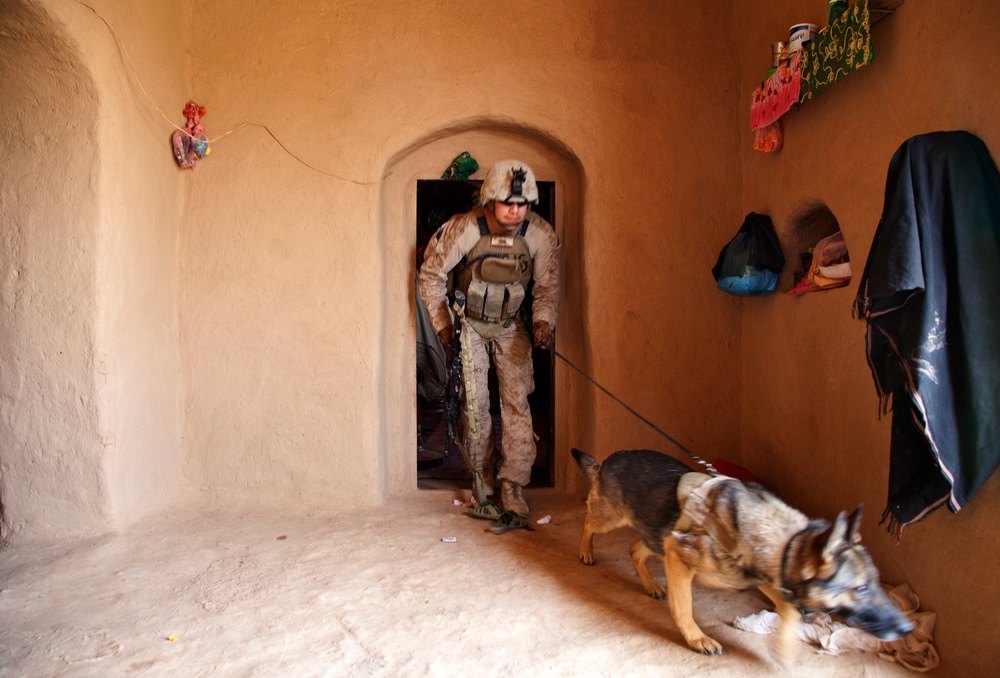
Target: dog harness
(693,492)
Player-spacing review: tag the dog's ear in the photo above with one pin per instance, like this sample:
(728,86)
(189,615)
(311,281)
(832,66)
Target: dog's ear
(834,541)
(814,559)
(854,533)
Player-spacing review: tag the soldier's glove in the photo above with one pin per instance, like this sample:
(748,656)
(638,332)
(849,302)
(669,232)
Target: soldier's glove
(542,334)
(447,336)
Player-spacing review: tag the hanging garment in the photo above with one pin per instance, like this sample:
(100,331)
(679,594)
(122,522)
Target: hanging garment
(930,295)
(432,364)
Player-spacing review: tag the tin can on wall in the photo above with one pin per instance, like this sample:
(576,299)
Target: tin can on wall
(800,34)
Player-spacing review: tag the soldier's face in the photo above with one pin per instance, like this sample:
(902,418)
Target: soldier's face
(509,215)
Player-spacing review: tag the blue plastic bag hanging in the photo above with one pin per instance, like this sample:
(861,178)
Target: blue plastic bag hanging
(749,265)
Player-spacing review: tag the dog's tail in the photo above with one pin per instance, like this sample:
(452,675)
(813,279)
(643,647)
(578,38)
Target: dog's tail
(588,464)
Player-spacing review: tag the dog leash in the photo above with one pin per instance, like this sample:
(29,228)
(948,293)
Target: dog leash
(708,465)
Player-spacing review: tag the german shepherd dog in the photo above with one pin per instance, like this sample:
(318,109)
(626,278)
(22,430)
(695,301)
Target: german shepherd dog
(728,534)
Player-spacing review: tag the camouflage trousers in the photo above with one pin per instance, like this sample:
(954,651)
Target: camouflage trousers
(509,351)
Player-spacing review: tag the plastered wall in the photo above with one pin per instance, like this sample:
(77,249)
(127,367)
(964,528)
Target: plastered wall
(90,388)
(51,476)
(251,319)
(244,330)
(811,428)
(298,261)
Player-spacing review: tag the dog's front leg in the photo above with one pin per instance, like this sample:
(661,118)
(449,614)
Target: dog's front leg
(786,640)
(640,553)
(679,580)
(587,543)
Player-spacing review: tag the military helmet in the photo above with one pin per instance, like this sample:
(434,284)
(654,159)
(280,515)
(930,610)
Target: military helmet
(509,181)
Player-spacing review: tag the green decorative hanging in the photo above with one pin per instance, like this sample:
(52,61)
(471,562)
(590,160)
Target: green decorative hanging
(461,168)
(842,48)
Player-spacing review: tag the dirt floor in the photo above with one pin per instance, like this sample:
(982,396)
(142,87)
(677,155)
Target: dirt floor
(372,593)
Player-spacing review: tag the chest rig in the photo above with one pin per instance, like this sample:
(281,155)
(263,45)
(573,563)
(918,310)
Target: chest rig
(495,274)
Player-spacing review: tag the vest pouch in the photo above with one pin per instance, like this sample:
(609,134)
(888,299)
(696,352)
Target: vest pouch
(493,308)
(493,302)
(515,295)
(475,299)
(501,269)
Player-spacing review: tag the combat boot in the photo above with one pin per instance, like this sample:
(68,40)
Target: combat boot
(512,499)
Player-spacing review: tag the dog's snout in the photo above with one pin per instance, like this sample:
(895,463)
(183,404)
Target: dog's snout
(889,629)
(885,622)
(896,631)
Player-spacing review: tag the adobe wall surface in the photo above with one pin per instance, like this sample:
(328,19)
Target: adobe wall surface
(297,270)
(50,469)
(810,425)
(250,323)
(91,355)
(253,318)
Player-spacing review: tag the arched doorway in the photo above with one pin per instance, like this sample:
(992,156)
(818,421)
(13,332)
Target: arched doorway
(426,160)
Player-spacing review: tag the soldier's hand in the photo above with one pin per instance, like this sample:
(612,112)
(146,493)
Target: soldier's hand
(447,335)
(542,334)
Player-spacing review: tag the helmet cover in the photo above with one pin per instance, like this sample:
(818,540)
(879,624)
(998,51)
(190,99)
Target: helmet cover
(509,181)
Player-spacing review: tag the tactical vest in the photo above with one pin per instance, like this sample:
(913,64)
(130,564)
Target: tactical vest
(495,274)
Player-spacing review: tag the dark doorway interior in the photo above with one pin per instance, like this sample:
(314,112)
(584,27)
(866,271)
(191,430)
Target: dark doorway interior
(439,463)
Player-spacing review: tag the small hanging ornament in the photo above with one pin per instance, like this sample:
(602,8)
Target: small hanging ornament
(463,166)
(191,143)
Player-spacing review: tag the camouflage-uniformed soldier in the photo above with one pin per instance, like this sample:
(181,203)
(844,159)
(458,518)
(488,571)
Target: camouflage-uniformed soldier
(496,254)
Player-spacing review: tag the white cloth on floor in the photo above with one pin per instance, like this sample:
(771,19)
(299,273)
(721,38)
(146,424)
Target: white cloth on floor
(915,651)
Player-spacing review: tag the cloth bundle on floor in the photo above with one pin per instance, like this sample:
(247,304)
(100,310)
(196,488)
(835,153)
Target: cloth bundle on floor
(915,651)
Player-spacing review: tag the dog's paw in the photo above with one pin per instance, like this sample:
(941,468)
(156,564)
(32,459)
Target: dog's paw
(657,592)
(587,558)
(705,645)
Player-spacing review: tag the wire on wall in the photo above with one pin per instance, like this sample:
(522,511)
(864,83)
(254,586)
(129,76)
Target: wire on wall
(138,82)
